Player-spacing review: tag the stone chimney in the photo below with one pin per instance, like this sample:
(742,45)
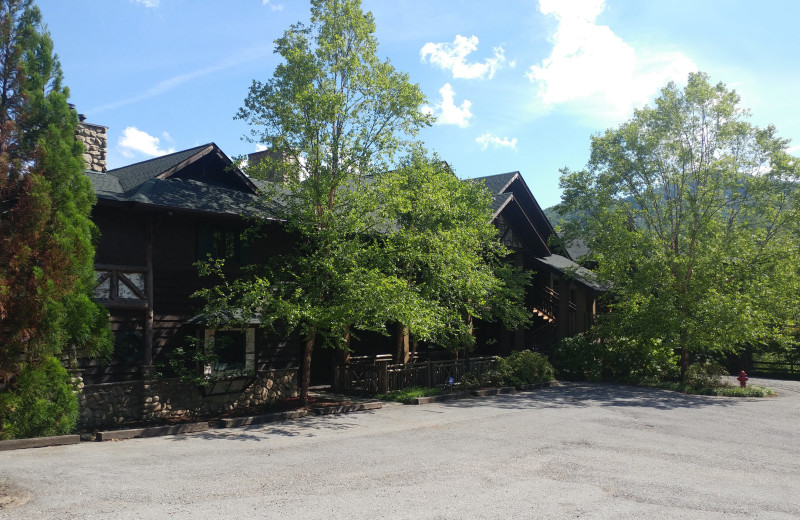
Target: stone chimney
(255,158)
(94,142)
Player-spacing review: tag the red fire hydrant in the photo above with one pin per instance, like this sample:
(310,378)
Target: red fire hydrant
(742,379)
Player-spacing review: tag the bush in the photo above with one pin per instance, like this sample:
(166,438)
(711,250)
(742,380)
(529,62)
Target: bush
(585,358)
(578,358)
(39,403)
(475,380)
(708,374)
(408,395)
(522,368)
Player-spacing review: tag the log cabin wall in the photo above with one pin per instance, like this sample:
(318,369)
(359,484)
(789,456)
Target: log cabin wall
(175,249)
(158,217)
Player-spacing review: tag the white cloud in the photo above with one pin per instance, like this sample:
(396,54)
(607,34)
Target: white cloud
(596,71)
(487,139)
(135,141)
(453,57)
(446,112)
(274,7)
(148,3)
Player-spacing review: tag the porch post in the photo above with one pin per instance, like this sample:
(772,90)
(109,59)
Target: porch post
(148,318)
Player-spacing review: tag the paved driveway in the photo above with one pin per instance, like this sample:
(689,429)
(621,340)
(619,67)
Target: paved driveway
(575,451)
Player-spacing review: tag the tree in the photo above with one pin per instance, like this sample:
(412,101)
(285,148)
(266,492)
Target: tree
(334,117)
(46,237)
(444,251)
(692,214)
(332,113)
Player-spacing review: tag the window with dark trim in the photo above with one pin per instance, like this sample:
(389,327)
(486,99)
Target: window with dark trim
(223,243)
(230,349)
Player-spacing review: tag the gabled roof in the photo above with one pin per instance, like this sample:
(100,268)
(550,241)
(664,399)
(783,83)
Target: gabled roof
(573,270)
(198,179)
(497,184)
(134,175)
(512,195)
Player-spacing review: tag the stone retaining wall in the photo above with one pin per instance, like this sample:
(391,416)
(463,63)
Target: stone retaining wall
(154,400)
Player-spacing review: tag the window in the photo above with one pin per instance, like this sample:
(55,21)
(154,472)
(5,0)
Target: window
(234,349)
(222,242)
(229,346)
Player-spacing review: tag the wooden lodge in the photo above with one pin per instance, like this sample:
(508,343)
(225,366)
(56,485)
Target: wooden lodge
(158,217)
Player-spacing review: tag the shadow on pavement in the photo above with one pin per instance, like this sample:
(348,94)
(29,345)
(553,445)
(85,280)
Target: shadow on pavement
(597,394)
(303,427)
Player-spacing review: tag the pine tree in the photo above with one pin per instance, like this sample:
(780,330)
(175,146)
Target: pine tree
(46,236)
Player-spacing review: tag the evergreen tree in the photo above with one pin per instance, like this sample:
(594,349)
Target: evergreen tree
(46,236)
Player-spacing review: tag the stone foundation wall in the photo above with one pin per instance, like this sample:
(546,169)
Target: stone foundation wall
(154,400)
(110,404)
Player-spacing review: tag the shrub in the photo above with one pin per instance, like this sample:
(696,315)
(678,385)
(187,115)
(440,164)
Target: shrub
(475,380)
(39,403)
(408,395)
(585,358)
(578,358)
(522,368)
(708,374)
(634,361)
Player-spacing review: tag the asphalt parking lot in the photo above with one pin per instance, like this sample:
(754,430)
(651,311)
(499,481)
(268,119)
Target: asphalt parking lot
(579,450)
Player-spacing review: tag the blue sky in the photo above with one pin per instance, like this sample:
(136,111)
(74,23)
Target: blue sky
(516,85)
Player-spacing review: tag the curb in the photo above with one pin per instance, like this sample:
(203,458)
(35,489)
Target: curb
(155,431)
(346,408)
(234,422)
(483,392)
(39,442)
(440,398)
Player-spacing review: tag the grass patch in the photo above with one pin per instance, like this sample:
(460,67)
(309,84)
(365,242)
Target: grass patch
(408,395)
(722,390)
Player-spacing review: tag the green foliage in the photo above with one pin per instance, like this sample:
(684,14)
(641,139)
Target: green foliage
(706,379)
(187,362)
(476,380)
(46,236)
(705,374)
(692,215)
(440,248)
(407,396)
(584,357)
(522,368)
(331,114)
(40,403)
(579,358)
(371,247)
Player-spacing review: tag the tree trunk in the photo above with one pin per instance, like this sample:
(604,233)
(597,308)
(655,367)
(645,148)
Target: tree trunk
(342,360)
(402,342)
(684,361)
(305,376)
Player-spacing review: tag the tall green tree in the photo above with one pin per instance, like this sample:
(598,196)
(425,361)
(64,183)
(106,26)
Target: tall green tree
(692,215)
(46,237)
(332,113)
(443,248)
(372,247)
